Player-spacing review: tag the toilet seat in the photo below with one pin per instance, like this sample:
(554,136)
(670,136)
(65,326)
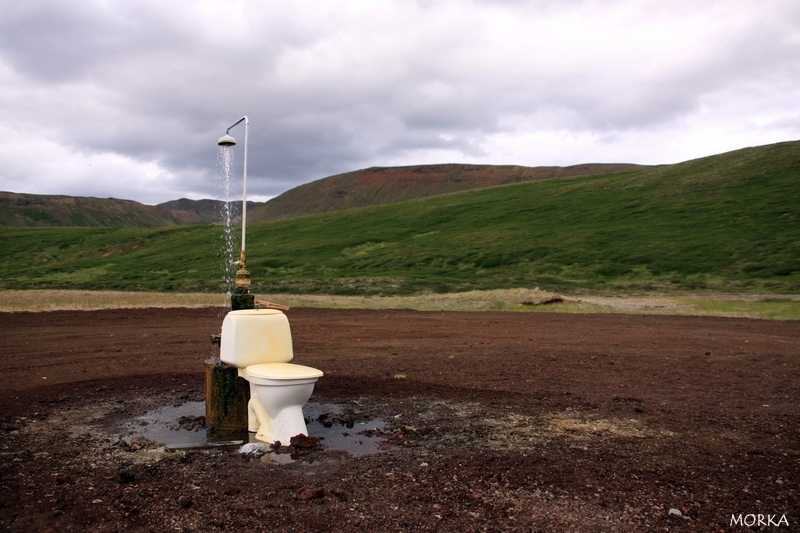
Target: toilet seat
(282,371)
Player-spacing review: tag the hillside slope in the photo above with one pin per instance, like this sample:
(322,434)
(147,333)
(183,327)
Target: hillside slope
(362,188)
(34,210)
(385,185)
(727,223)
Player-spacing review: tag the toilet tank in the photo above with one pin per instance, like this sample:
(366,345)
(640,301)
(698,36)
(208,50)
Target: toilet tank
(255,336)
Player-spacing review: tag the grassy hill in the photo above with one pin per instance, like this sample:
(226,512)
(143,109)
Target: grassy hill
(194,211)
(35,210)
(729,222)
(203,211)
(382,185)
(361,188)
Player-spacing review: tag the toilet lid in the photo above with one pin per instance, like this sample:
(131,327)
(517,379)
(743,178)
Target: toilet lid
(283,371)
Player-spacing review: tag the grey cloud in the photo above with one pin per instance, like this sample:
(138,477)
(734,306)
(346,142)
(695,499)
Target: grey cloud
(336,87)
(54,41)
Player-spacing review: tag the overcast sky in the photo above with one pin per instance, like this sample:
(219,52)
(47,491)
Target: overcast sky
(127,98)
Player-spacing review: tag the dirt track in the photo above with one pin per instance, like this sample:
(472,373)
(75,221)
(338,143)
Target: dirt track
(499,422)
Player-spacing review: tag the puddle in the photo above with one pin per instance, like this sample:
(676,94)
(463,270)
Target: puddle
(183,427)
(344,433)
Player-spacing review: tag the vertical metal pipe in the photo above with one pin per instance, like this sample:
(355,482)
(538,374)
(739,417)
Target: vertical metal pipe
(244,184)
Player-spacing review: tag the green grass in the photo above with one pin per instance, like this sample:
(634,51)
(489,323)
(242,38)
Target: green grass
(727,223)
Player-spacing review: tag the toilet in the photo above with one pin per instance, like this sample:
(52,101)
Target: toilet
(259,343)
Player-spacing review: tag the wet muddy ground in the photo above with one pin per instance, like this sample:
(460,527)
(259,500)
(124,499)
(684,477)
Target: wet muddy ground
(493,422)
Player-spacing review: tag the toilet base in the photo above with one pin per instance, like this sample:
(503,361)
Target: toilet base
(284,425)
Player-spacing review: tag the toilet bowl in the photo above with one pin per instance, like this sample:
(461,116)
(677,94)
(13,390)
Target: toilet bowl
(259,343)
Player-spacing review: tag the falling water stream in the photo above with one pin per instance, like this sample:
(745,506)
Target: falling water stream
(229,211)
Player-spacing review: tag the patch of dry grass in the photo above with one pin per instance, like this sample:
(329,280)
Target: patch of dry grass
(52,300)
(519,431)
(785,307)
(494,300)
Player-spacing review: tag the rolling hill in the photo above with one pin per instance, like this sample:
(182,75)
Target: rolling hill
(729,222)
(385,185)
(34,210)
(361,188)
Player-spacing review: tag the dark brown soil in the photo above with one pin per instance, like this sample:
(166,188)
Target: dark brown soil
(496,422)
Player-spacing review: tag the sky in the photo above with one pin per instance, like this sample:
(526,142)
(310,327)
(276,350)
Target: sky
(127,98)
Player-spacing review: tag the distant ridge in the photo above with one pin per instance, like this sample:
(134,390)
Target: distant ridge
(385,185)
(203,211)
(38,210)
(35,210)
(360,188)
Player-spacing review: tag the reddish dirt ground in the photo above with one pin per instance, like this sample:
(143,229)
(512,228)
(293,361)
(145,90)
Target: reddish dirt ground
(496,422)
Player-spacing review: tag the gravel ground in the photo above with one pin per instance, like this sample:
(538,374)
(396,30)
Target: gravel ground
(493,422)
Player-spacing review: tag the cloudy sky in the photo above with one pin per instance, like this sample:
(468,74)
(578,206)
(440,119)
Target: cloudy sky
(127,98)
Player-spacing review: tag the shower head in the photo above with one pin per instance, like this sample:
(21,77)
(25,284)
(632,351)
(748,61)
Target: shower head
(226,140)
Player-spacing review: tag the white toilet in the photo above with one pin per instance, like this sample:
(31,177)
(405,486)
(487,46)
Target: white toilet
(259,343)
